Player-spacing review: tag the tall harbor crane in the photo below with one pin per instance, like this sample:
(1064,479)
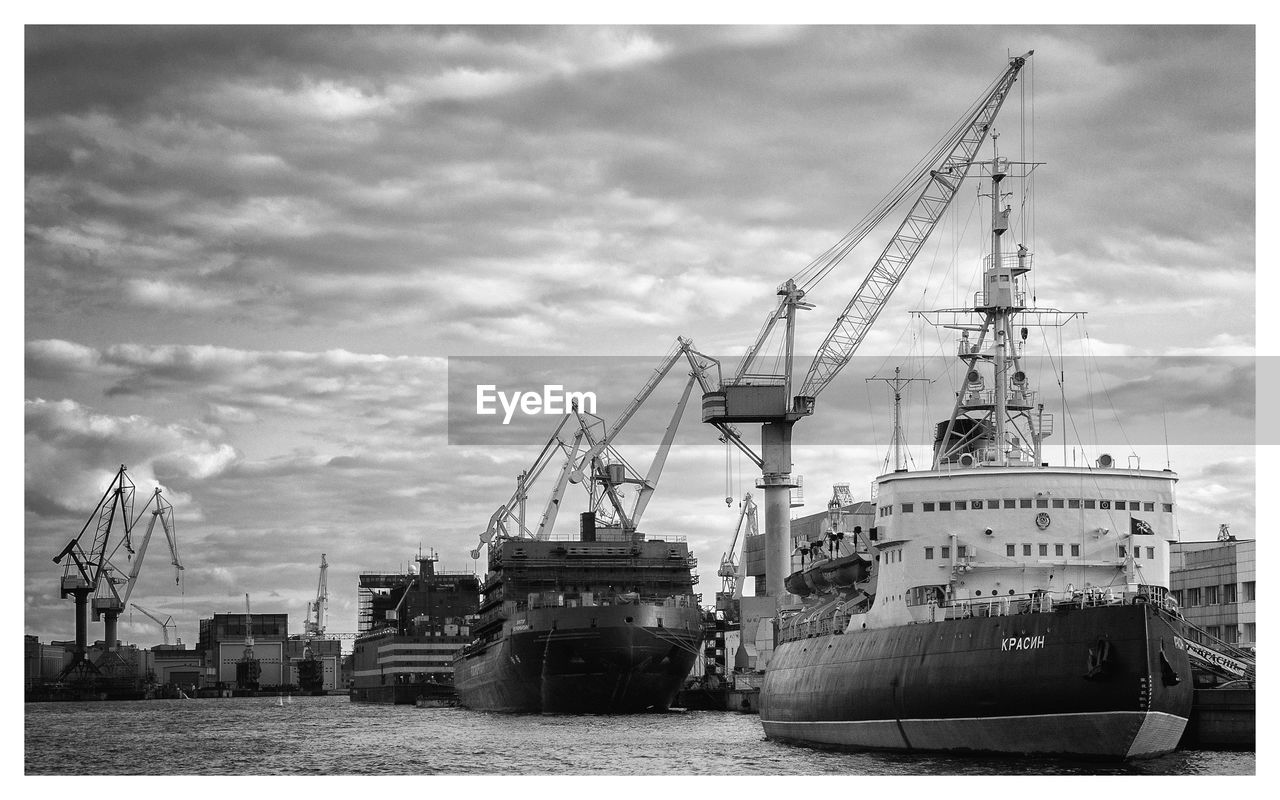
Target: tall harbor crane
(314,625)
(731,580)
(165,624)
(83,574)
(591,459)
(247,668)
(764,394)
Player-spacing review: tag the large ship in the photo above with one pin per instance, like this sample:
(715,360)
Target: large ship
(411,626)
(995,603)
(602,622)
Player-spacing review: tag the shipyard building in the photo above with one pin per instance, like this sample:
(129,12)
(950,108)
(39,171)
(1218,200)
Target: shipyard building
(1214,583)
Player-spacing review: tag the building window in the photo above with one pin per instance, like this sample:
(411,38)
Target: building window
(1010,550)
(1228,592)
(927,506)
(928,553)
(945,505)
(1075,550)
(1026,549)
(1211,595)
(961,551)
(1168,507)
(1177,596)
(1251,632)
(946,552)
(1249,595)
(1057,549)
(1073,503)
(1231,634)
(1214,631)
(960,505)
(1058,502)
(1044,549)
(1089,504)
(907,508)
(1042,502)
(1193,597)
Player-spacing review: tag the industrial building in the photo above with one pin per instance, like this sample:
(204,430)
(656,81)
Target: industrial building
(224,639)
(1214,583)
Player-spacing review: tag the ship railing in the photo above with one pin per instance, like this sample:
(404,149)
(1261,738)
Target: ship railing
(602,536)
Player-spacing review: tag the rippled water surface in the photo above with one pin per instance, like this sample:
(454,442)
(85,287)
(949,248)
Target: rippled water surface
(333,736)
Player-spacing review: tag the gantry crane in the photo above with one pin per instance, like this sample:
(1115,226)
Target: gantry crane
(165,624)
(84,572)
(314,625)
(765,395)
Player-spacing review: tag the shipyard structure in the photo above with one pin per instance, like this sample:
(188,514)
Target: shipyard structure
(411,624)
(235,655)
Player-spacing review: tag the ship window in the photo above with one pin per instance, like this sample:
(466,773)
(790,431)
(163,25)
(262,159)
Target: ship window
(659,622)
(976,504)
(1133,505)
(1042,502)
(1009,503)
(993,504)
(1121,550)
(945,505)
(1010,591)
(1026,549)
(1024,502)
(1058,502)
(907,508)
(1151,552)
(1044,549)
(1168,507)
(960,505)
(1073,503)
(1089,504)
(1120,505)
(960,551)
(946,552)
(1148,506)
(1010,550)
(927,506)
(928,553)
(1075,550)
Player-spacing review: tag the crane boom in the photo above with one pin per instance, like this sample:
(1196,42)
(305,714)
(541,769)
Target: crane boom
(873,294)
(165,624)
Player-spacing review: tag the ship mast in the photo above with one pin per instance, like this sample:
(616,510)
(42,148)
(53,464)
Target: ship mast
(1003,426)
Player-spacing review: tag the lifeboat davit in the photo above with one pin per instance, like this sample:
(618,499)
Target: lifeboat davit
(844,572)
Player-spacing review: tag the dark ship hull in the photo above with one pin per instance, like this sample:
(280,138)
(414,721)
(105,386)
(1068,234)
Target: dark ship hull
(1105,682)
(583,660)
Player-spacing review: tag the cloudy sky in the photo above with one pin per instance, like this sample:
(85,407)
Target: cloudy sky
(252,256)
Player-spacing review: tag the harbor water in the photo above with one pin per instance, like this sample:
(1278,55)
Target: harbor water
(333,736)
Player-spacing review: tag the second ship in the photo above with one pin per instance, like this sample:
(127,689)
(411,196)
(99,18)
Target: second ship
(604,622)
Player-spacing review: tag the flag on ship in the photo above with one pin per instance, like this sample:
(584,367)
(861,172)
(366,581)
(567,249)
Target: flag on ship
(1140,527)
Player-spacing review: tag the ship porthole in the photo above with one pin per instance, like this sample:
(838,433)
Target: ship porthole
(630,619)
